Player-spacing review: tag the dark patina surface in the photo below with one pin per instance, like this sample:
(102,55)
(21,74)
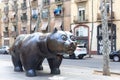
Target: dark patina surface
(29,50)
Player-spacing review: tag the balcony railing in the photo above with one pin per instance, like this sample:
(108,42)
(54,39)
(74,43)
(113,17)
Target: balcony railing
(46,3)
(108,14)
(6,34)
(78,19)
(23,32)
(80,1)
(59,2)
(13,34)
(34,3)
(5,1)
(13,20)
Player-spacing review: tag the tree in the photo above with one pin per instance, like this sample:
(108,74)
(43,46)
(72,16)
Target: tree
(105,40)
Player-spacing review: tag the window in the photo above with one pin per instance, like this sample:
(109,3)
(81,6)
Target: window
(6,42)
(6,29)
(35,14)
(15,28)
(58,10)
(81,31)
(6,33)
(6,9)
(24,29)
(108,5)
(23,5)
(45,13)
(24,17)
(46,2)
(81,14)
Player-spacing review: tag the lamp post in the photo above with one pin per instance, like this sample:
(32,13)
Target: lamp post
(91,31)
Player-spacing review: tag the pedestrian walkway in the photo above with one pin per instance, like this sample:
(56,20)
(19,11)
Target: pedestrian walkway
(67,73)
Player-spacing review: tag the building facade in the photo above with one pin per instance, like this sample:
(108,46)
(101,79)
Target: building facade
(28,16)
(82,17)
(86,23)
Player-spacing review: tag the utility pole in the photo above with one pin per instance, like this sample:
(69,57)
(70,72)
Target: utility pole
(30,16)
(105,39)
(91,32)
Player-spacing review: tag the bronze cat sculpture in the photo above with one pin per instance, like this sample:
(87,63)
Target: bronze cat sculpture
(29,50)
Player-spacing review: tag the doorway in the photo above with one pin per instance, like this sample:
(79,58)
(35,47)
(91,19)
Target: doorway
(112,37)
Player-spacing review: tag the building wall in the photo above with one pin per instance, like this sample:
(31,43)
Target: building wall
(96,4)
(116,6)
(65,16)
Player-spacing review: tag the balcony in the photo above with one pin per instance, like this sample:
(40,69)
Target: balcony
(34,3)
(46,3)
(78,19)
(13,18)
(14,0)
(6,34)
(108,14)
(24,18)
(23,6)
(5,1)
(6,10)
(23,32)
(15,7)
(77,1)
(13,34)
(58,12)
(59,2)
(5,20)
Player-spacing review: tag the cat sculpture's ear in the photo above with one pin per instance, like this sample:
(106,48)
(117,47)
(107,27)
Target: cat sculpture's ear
(55,30)
(71,31)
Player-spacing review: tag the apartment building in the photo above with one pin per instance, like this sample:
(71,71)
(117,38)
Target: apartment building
(86,23)
(28,16)
(18,17)
(82,17)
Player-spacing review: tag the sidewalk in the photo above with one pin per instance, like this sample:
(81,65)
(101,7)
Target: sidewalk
(67,73)
(100,70)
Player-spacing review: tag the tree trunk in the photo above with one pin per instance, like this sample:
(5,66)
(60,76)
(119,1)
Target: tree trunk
(105,40)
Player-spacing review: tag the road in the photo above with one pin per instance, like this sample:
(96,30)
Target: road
(70,70)
(95,62)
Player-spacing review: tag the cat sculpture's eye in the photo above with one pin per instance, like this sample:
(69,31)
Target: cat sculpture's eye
(64,37)
(72,38)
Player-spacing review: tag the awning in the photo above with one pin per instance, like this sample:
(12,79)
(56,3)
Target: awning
(44,26)
(58,24)
(13,15)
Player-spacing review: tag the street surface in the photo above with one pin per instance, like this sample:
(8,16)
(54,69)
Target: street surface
(95,62)
(70,70)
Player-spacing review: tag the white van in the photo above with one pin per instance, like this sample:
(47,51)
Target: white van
(79,53)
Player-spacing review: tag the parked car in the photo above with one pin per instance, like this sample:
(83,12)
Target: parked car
(79,53)
(115,56)
(4,50)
